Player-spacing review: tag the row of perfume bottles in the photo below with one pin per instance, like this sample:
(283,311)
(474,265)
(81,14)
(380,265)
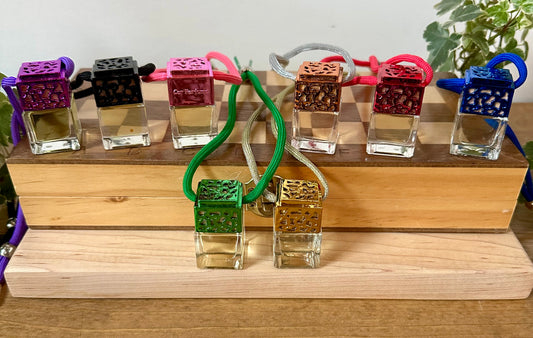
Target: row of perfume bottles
(219,225)
(51,118)
(479,125)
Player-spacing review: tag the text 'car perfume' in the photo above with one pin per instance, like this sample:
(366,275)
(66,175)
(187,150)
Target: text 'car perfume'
(317,100)
(396,111)
(121,111)
(481,120)
(193,117)
(298,225)
(219,224)
(49,110)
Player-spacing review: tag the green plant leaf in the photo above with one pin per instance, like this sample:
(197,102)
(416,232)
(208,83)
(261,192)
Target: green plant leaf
(499,13)
(526,5)
(511,44)
(440,43)
(445,6)
(479,39)
(465,13)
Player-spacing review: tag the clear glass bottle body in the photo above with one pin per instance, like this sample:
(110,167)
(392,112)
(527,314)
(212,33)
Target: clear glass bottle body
(392,134)
(297,250)
(315,131)
(193,126)
(219,250)
(53,130)
(478,135)
(124,126)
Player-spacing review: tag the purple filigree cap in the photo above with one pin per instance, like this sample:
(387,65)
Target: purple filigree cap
(43,85)
(190,82)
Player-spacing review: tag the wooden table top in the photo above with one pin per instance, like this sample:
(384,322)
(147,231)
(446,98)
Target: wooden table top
(280,317)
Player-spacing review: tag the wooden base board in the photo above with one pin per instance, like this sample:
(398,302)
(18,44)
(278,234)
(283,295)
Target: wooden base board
(161,264)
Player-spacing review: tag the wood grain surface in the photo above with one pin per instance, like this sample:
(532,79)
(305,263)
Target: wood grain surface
(22,317)
(112,264)
(125,188)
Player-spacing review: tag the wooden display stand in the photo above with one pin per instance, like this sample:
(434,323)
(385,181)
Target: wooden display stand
(161,264)
(100,220)
(141,188)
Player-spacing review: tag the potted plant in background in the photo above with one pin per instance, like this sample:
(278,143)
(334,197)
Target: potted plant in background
(475,31)
(7,191)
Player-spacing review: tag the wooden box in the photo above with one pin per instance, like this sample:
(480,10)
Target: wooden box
(140,188)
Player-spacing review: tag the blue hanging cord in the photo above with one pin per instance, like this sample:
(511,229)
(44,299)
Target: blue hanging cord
(456,85)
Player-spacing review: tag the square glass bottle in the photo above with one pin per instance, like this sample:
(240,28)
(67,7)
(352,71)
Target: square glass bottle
(396,111)
(298,225)
(121,111)
(219,224)
(193,116)
(317,99)
(49,110)
(482,114)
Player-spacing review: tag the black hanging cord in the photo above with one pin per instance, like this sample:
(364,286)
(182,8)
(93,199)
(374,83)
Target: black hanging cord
(145,70)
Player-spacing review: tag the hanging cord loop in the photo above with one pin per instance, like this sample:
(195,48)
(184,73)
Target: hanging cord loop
(417,61)
(232,76)
(279,62)
(456,85)
(250,159)
(145,70)
(226,131)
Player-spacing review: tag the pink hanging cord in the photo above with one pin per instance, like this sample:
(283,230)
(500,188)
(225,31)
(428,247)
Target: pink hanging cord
(233,76)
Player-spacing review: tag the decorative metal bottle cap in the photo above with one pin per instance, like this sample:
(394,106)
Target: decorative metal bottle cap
(400,90)
(299,207)
(487,91)
(43,85)
(318,87)
(218,206)
(116,81)
(190,82)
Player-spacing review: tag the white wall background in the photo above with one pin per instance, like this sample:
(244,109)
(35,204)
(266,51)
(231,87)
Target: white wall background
(155,30)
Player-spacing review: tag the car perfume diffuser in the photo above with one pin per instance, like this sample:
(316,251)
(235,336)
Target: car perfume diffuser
(397,104)
(317,100)
(48,108)
(121,111)
(193,117)
(317,97)
(298,225)
(219,224)
(484,105)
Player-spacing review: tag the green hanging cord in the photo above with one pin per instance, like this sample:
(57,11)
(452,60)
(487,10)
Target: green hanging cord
(226,131)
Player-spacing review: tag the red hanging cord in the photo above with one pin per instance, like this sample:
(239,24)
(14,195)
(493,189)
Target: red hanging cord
(372,63)
(233,77)
(417,61)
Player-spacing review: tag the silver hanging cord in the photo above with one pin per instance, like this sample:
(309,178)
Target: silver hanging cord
(250,158)
(279,62)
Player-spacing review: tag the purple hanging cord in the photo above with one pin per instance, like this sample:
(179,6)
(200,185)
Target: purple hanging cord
(18,129)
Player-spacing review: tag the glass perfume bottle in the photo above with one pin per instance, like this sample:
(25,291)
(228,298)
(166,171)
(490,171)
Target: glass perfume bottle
(121,111)
(193,116)
(49,110)
(298,225)
(219,224)
(396,111)
(481,119)
(317,99)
